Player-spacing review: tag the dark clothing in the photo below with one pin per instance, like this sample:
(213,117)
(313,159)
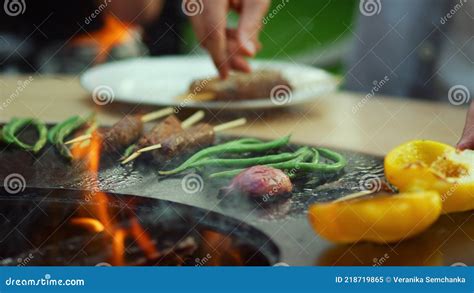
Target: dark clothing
(50,20)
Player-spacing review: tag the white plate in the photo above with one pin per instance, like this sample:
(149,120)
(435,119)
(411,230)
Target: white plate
(159,81)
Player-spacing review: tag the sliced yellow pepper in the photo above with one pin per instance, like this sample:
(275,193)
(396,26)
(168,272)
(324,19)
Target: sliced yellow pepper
(383,219)
(429,165)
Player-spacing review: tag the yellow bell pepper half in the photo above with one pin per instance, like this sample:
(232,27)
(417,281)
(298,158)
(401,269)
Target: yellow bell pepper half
(428,165)
(384,218)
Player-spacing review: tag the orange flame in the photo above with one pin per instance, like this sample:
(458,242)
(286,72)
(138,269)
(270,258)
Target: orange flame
(111,34)
(89,223)
(143,240)
(118,247)
(90,154)
(222,249)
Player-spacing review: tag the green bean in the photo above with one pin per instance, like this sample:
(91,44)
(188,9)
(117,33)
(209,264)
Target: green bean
(54,130)
(128,151)
(316,156)
(230,147)
(11,129)
(299,164)
(247,162)
(339,162)
(245,141)
(65,130)
(43,136)
(248,140)
(304,154)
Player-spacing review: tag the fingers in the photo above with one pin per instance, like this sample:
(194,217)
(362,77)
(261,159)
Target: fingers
(234,50)
(467,139)
(250,24)
(229,47)
(210,27)
(239,63)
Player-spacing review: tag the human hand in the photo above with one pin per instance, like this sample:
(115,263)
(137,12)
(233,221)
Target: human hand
(467,138)
(229,47)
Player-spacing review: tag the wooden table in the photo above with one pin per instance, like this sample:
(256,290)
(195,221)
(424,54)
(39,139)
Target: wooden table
(345,120)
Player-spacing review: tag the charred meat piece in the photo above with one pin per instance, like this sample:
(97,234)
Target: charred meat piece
(122,134)
(262,183)
(161,131)
(241,86)
(195,137)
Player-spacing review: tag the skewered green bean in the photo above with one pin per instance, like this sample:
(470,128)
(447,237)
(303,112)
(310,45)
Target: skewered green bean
(128,151)
(66,128)
(54,130)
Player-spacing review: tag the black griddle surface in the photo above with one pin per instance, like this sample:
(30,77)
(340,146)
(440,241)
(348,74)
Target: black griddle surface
(284,221)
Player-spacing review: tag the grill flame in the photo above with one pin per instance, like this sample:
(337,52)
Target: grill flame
(102,220)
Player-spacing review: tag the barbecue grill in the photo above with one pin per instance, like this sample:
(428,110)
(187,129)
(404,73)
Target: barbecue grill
(58,213)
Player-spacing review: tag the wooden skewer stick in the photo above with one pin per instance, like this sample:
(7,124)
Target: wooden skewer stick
(79,138)
(354,195)
(149,148)
(131,158)
(230,124)
(218,128)
(190,121)
(145,118)
(157,114)
(193,119)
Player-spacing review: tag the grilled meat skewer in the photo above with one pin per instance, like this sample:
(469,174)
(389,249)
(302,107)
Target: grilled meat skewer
(126,128)
(196,137)
(122,134)
(162,131)
(187,140)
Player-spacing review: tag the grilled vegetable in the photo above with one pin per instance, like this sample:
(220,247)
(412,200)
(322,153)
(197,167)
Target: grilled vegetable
(261,183)
(300,164)
(247,162)
(61,131)
(54,130)
(11,129)
(301,155)
(382,219)
(236,146)
(304,160)
(429,165)
(128,151)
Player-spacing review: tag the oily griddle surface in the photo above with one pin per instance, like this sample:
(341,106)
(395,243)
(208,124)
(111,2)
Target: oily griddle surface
(48,169)
(447,242)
